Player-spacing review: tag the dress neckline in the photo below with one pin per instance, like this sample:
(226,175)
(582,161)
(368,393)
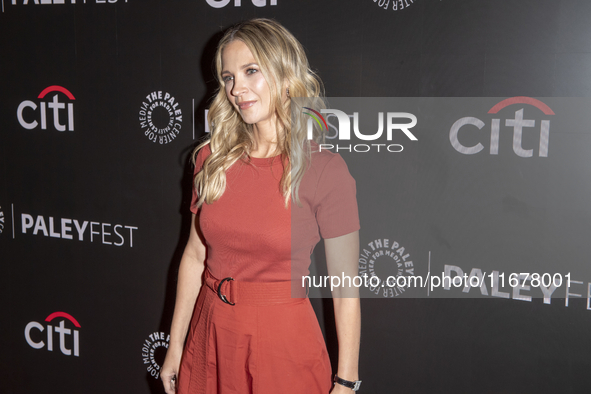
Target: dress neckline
(264,161)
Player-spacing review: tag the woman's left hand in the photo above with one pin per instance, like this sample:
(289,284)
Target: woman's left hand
(339,389)
(341,259)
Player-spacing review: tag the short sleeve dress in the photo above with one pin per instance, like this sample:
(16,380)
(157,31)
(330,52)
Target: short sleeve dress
(252,237)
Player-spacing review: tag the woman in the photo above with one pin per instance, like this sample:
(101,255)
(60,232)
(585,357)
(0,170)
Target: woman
(261,196)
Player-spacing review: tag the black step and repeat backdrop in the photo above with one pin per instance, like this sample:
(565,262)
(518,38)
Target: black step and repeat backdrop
(103,101)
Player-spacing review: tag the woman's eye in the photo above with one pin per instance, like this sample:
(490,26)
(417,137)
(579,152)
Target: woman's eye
(227,79)
(251,70)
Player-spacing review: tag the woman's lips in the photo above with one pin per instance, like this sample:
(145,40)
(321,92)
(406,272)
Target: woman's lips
(246,104)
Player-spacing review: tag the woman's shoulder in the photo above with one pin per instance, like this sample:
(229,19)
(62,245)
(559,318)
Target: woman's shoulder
(334,194)
(325,160)
(202,154)
(204,151)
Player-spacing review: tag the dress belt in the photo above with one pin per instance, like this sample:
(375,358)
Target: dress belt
(234,292)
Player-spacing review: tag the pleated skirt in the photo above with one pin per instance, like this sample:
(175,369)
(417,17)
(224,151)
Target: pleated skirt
(264,344)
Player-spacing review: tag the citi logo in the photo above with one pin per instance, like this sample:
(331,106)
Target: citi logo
(67,344)
(343,131)
(518,124)
(238,3)
(34,114)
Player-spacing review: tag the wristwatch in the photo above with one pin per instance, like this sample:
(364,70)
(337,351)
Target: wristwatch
(347,383)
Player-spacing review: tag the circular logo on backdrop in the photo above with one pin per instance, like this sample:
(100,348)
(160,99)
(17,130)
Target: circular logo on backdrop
(2,221)
(154,352)
(386,265)
(395,5)
(160,117)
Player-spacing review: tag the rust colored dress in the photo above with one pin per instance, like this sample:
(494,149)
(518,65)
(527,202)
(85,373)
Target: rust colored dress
(270,343)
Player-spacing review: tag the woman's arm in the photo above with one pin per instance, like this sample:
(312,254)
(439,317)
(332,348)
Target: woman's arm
(188,286)
(341,258)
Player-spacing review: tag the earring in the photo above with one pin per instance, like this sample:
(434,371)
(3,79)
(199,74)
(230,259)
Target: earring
(287,91)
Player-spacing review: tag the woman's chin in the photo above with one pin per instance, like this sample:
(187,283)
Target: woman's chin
(247,120)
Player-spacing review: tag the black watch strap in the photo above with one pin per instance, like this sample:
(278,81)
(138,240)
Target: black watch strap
(347,383)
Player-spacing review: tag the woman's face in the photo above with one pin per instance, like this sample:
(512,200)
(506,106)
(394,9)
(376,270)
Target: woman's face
(246,87)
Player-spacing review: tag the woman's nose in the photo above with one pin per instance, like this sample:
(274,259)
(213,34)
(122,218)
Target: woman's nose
(239,87)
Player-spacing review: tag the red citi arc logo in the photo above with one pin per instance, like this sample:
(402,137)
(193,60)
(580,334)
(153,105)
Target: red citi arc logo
(34,338)
(34,114)
(518,123)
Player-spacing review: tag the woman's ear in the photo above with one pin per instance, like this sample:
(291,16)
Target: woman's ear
(286,89)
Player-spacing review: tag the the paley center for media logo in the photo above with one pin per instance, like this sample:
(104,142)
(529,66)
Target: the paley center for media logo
(161,117)
(154,351)
(339,138)
(394,5)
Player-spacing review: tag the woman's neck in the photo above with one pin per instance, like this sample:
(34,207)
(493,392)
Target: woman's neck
(265,139)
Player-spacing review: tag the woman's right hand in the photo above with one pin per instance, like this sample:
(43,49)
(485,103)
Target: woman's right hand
(188,287)
(170,370)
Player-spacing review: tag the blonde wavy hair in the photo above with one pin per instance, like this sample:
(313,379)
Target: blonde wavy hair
(282,60)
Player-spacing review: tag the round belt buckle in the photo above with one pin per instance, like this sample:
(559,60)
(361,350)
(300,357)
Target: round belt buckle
(222,296)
